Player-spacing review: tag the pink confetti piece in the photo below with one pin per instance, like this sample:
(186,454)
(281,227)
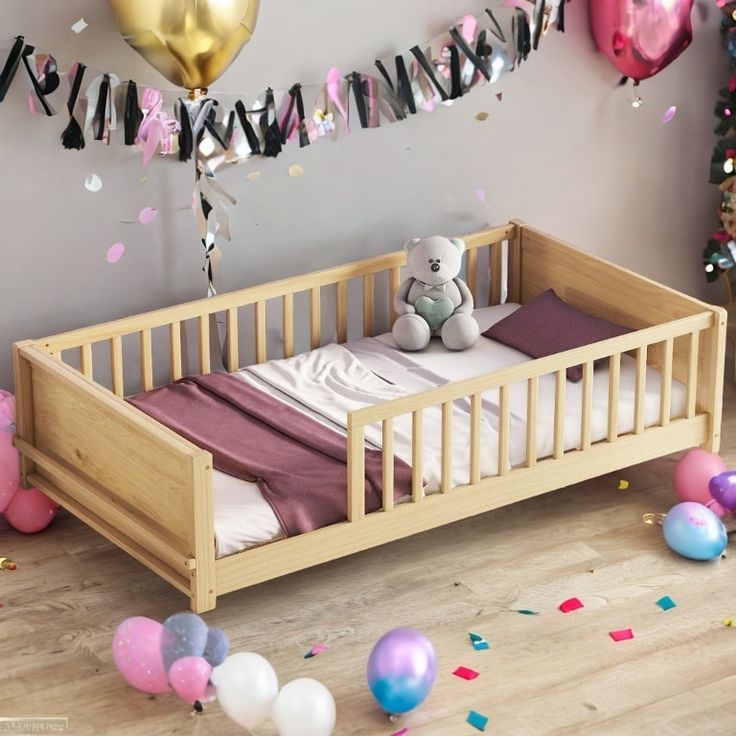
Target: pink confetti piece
(465,673)
(480,195)
(571,604)
(669,113)
(621,634)
(315,650)
(403,732)
(115,252)
(147,215)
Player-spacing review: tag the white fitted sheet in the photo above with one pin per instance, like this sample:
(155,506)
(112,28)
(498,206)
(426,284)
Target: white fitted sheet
(243,518)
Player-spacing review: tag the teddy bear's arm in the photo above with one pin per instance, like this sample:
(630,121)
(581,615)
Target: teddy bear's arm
(401,306)
(466,305)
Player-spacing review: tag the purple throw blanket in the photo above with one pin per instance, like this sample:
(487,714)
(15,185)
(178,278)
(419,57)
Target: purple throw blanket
(299,464)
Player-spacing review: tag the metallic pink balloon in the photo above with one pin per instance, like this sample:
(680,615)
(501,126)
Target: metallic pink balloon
(641,37)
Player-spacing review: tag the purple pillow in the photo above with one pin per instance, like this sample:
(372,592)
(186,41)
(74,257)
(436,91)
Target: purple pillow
(546,325)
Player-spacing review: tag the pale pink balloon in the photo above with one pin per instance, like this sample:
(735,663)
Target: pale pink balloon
(189,676)
(641,37)
(691,479)
(30,511)
(136,649)
(9,458)
(147,215)
(115,252)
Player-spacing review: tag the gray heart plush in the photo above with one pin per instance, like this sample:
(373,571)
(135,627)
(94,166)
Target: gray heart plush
(435,312)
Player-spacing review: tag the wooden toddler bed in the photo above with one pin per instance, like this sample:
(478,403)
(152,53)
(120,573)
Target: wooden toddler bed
(149,491)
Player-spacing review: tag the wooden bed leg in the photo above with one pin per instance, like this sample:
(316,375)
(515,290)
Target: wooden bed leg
(710,387)
(203,597)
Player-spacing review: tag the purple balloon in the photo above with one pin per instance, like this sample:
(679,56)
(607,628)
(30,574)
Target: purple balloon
(401,670)
(723,488)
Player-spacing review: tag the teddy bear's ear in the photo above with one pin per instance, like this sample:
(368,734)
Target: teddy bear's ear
(411,243)
(459,244)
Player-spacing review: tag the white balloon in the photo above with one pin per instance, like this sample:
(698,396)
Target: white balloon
(246,688)
(304,707)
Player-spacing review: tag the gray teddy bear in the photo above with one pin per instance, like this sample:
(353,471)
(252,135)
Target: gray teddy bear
(433,301)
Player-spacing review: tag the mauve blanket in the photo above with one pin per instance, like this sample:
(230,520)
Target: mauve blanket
(299,464)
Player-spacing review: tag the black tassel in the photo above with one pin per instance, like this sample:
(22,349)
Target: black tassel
(186,137)
(271,131)
(133,115)
(456,87)
(356,82)
(73,136)
(296,92)
(250,133)
(470,54)
(384,73)
(561,17)
(101,109)
(11,67)
(230,128)
(404,85)
(429,71)
(27,51)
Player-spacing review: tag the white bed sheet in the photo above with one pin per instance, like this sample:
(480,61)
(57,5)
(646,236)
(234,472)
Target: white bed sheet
(243,518)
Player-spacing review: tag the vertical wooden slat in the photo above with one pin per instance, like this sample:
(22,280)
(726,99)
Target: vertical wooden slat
(204,343)
(287,324)
(342,312)
(116,365)
(471,268)
(614,376)
(475,414)
(504,430)
(356,472)
(368,304)
(514,259)
(496,273)
(692,373)
(665,398)
(532,401)
(387,427)
(175,350)
(639,395)
(146,360)
(417,448)
(85,359)
(560,410)
(585,421)
(261,351)
(393,289)
(25,428)
(446,482)
(315,317)
(233,352)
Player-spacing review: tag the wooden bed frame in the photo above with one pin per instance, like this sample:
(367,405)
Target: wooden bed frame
(150,491)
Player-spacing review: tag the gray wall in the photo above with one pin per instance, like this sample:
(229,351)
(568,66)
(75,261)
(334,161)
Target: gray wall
(564,151)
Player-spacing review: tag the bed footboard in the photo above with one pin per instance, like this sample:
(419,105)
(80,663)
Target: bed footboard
(134,481)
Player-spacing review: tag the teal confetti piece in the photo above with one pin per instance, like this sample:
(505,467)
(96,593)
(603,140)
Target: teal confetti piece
(666,603)
(525,611)
(477,720)
(478,642)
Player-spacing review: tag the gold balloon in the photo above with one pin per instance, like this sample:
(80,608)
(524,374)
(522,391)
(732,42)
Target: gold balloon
(191,42)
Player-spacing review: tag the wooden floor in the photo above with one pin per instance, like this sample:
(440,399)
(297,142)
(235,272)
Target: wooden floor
(553,673)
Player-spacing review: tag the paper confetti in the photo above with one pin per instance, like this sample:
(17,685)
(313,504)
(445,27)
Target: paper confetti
(669,113)
(465,673)
(143,179)
(728,622)
(478,642)
(525,611)
(253,175)
(315,650)
(623,485)
(93,183)
(403,732)
(80,25)
(571,604)
(480,195)
(115,252)
(477,720)
(666,603)
(499,96)
(621,634)
(147,215)
(481,116)
(296,170)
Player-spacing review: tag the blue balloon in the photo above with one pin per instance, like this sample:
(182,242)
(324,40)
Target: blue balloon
(693,530)
(215,652)
(184,635)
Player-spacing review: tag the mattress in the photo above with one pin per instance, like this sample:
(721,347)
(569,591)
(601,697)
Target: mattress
(243,518)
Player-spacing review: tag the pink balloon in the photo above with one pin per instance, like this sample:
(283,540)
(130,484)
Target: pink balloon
(136,649)
(189,677)
(30,511)
(9,457)
(641,37)
(691,480)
